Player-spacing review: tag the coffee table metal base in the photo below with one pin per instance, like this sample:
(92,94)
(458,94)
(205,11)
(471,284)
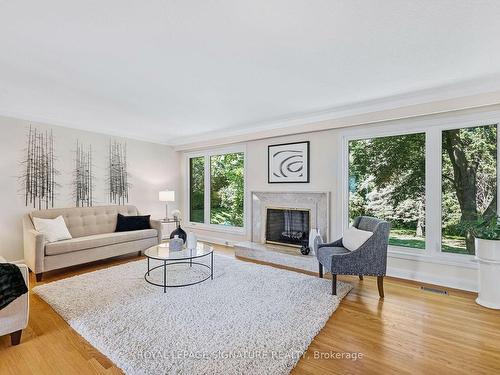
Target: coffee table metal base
(167,263)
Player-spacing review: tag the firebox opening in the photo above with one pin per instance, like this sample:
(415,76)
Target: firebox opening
(287,226)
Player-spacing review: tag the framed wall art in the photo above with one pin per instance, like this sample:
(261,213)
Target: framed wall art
(288,163)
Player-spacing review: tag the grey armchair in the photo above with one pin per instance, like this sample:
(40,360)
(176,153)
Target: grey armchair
(370,259)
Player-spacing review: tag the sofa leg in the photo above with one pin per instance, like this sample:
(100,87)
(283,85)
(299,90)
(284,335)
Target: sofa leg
(361,277)
(334,285)
(320,270)
(380,284)
(39,277)
(15,337)
(139,253)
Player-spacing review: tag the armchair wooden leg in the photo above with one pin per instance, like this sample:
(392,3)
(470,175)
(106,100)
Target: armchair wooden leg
(320,270)
(334,285)
(380,284)
(39,277)
(361,277)
(15,337)
(139,253)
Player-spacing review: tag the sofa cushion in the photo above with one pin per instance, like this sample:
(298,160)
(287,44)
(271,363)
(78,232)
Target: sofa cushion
(130,223)
(97,240)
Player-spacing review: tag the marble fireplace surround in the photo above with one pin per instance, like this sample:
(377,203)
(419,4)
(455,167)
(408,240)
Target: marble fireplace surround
(317,202)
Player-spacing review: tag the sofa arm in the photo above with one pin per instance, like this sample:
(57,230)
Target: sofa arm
(156,224)
(34,247)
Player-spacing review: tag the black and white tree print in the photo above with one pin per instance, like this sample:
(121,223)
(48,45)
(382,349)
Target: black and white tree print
(83,176)
(117,173)
(38,180)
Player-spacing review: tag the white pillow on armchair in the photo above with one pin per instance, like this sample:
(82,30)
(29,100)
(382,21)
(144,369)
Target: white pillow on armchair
(353,238)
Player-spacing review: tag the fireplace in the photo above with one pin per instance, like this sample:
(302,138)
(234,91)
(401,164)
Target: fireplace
(288,226)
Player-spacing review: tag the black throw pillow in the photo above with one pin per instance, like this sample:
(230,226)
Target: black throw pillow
(128,223)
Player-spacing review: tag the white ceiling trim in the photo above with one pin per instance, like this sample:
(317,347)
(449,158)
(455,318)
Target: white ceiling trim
(471,94)
(465,95)
(48,120)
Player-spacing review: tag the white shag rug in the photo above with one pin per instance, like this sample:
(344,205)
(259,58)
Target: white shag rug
(251,319)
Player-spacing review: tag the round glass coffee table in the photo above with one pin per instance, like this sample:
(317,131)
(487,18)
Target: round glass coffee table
(192,257)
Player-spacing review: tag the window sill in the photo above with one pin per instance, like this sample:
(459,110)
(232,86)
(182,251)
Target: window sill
(464,261)
(216,228)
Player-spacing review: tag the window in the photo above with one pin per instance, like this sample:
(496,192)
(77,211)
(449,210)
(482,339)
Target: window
(469,183)
(431,185)
(197,189)
(216,189)
(387,180)
(226,189)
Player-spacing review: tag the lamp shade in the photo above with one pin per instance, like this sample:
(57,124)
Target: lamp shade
(167,196)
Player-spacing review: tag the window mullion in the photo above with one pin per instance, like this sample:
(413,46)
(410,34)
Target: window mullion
(207,190)
(433,191)
(498,170)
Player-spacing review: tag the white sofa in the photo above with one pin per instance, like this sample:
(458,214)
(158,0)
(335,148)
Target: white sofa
(94,237)
(14,317)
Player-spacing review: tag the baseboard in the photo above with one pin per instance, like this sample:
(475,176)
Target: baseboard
(216,240)
(450,282)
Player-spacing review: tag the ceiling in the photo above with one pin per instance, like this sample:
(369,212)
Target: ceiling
(170,71)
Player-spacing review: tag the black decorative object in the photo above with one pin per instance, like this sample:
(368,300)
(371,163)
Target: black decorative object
(129,223)
(117,173)
(38,179)
(83,176)
(305,250)
(179,232)
(288,163)
(12,284)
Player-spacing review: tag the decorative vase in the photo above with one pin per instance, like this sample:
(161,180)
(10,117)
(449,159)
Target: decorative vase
(179,232)
(314,236)
(191,241)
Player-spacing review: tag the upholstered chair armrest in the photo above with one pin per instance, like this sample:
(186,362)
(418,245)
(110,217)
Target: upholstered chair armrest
(351,263)
(14,317)
(337,243)
(156,224)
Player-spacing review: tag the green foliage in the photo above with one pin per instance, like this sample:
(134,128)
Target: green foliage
(227,189)
(468,181)
(483,227)
(387,180)
(197,193)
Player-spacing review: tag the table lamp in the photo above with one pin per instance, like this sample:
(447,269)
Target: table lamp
(166,196)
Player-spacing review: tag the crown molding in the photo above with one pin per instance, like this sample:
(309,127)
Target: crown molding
(453,97)
(49,121)
(465,95)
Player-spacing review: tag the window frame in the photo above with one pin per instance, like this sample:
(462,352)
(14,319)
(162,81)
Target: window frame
(206,154)
(433,129)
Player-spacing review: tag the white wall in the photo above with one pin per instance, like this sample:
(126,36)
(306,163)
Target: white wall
(326,148)
(152,168)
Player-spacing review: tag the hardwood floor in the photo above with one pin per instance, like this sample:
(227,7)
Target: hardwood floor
(410,331)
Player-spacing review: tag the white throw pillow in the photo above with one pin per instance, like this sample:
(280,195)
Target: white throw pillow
(353,238)
(53,229)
